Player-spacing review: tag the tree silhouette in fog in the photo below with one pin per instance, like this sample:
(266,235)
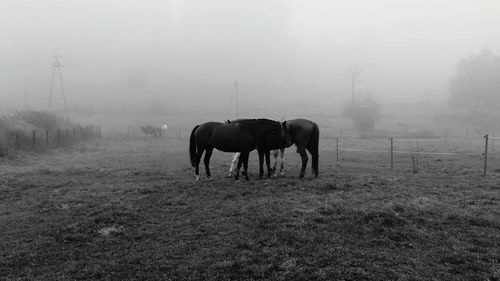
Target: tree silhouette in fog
(476,85)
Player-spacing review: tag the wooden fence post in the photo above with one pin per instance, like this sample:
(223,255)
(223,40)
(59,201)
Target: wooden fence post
(392,153)
(337,149)
(33,139)
(414,161)
(485,154)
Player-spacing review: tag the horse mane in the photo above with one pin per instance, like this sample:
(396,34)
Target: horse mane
(241,120)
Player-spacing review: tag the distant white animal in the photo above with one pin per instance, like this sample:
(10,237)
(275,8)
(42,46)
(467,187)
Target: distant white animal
(164,130)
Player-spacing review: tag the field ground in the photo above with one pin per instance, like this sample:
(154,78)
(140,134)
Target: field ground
(128,209)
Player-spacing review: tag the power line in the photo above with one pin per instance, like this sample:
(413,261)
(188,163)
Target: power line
(57,65)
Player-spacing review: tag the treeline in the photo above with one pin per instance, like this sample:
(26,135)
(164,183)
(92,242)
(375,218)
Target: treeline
(40,130)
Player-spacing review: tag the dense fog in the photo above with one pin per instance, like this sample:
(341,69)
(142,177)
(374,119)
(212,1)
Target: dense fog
(185,56)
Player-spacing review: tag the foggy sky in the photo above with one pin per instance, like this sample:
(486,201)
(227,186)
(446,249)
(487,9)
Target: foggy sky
(132,53)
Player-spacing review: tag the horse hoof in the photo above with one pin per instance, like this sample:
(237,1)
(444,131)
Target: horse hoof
(196,177)
(210,179)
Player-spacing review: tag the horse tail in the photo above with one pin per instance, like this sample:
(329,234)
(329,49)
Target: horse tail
(192,147)
(314,148)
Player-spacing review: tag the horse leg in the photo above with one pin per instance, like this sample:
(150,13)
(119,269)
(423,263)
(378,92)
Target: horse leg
(261,162)
(275,157)
(240,161)
(234,162)
(243,161)
(268,163)
(197,163)
(245,164)
(282,168)
(206,160)
(314,161)
(303,156)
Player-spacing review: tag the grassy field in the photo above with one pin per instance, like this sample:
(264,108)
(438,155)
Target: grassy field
(128,209)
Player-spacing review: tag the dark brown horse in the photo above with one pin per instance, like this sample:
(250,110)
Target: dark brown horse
(264,149)
(242,136)
(305,134)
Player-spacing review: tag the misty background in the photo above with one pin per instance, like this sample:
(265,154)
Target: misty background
(290,58)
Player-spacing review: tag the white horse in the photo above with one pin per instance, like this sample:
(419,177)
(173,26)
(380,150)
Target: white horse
(281,154)
(275,153)
(164,130)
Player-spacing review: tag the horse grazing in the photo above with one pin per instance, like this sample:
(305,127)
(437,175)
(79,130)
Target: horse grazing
(150,130)
(264,151)
(277,153)
(243,136)
(305,134)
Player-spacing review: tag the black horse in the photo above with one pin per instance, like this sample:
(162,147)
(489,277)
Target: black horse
(242,136)
(305,134)
(264,149)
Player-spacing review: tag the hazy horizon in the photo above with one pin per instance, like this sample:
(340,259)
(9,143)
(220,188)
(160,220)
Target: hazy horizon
(187,54)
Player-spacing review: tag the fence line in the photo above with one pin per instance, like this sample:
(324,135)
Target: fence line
(363,150)
(43,139)
(410,151)
(418,151)
(423,140)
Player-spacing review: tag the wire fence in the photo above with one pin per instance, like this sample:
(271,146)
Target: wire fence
(39,140)
(482,147)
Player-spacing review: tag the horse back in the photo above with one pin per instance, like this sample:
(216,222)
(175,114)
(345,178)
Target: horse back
(232,138)
(303,131)
(268,134)
(204,131)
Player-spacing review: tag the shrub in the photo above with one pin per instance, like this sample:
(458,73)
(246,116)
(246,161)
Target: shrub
(362,116)
(17,130)
(43,120)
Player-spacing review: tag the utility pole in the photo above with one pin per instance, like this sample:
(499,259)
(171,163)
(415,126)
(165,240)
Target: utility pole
(235,92)
(57,65)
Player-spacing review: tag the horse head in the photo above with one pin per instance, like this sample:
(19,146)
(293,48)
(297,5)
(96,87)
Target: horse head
(285,134)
